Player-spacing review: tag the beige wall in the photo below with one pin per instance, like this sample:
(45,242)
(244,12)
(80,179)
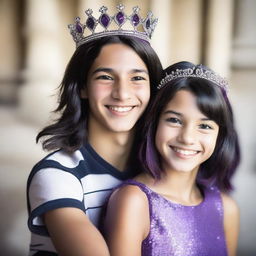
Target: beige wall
(35,46)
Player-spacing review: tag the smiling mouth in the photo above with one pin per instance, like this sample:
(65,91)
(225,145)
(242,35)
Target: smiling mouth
(119,109)
(185,152)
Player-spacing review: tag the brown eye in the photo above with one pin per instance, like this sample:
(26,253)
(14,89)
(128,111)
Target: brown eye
(104,77)
(205,126)
(173,120)
(138,78)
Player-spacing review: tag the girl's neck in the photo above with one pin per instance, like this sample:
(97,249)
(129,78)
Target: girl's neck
(112,147)
(178,187)
(182,188)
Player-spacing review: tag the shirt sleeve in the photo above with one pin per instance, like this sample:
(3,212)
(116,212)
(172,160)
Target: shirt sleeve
(49,189)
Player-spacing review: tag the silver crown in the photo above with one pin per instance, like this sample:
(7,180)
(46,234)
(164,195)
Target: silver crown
(120,18)
(197,71)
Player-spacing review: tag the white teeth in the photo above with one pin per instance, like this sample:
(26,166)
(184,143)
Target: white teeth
(120,109)
(185,152)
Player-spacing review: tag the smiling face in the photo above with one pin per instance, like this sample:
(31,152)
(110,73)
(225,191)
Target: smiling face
(118,89)
(185,137)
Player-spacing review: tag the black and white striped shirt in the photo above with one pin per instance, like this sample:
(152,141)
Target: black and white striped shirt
(82,180)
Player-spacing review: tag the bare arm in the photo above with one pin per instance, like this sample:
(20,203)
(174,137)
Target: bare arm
(231,223)
(127,221)
(73,234)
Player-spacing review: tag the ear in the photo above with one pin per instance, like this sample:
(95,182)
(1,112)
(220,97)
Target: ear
(83,93)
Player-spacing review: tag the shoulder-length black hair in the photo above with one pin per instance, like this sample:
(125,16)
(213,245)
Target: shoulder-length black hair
(69,131)
(213,102)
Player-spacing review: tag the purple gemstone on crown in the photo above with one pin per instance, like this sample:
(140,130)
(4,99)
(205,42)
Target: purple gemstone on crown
(120,18)
(90,23)
(105,20)
(148,24)
(135,20)
(79,28)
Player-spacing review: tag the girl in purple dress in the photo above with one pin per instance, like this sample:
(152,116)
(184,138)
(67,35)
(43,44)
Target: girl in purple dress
(180,204)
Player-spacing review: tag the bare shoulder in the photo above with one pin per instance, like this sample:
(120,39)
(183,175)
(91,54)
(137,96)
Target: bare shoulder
(230,205)
(128,207)
(127,220)
(129,194)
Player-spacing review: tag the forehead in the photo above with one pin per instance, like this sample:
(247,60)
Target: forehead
(118,56)
(181,99)
(185,103)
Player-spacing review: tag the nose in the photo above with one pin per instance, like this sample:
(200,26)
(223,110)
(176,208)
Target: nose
(187,135)
(121,90)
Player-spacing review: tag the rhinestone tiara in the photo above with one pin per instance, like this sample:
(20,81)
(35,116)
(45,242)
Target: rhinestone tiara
(120,19)
(197,71)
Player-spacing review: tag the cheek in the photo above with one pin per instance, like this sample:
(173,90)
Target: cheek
(162,136)
(98,92)
(143,93)
(210,143)
(158,138)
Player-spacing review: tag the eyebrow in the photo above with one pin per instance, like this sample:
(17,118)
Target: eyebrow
(110,70)
(172,112)
(107,70)
(179,114)
(139,71)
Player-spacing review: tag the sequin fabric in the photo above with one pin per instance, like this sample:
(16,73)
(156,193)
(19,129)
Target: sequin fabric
(178,230)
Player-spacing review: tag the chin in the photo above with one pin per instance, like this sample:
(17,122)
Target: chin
(121,129)
(182,168)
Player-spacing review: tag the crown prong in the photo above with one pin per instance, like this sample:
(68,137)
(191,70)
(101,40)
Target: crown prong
(103,9)
(120,18)
(91,22)
(78,26)
(89,12)
(104,18)
(120,7)
(135,18)
(136,9)
(149,24)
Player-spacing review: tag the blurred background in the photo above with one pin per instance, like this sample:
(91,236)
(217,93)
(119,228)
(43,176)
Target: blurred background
(35,46)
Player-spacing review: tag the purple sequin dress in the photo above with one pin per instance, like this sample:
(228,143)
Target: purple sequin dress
(178,230)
